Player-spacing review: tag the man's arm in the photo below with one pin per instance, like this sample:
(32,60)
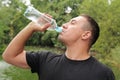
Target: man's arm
(15,53)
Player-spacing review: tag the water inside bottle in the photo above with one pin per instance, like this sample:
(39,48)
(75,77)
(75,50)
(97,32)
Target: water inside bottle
(33,18)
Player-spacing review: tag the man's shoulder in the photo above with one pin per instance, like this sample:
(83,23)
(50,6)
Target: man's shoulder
(103,70)
(101,66)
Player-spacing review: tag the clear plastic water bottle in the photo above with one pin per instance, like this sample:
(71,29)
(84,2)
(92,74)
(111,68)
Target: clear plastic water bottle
(33,14)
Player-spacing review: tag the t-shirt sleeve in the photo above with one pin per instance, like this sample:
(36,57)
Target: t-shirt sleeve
(35,60)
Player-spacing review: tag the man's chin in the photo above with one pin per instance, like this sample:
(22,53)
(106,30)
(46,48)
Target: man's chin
(61,39)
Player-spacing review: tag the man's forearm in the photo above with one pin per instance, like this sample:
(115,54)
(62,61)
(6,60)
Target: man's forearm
(16,46)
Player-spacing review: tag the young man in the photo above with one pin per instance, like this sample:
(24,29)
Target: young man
(78,35)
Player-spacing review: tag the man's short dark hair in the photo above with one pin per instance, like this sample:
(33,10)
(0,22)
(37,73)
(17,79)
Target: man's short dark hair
(94,26)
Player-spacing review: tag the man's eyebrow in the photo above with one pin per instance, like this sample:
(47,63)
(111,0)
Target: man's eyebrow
(73,19)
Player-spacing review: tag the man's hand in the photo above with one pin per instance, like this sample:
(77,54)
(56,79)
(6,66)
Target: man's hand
(36,27)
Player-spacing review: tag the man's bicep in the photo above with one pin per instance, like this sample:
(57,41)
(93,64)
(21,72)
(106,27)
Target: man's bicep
(20,60)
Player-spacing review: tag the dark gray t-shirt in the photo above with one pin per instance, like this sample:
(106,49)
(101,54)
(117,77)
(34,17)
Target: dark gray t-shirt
(51,66)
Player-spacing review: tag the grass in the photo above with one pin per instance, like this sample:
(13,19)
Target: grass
(20,74)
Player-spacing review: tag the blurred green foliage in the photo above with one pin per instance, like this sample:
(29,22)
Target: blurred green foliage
(106,14)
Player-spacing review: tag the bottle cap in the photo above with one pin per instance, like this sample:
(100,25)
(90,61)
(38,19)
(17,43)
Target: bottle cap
(58,29)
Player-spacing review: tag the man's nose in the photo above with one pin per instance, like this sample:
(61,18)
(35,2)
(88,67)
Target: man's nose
(65,26)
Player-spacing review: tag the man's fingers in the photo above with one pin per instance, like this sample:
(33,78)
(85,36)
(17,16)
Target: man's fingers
(45,26)
(48,15)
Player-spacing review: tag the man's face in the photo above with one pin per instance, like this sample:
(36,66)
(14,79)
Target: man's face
(72,30)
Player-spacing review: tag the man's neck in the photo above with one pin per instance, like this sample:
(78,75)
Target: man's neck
(77,53)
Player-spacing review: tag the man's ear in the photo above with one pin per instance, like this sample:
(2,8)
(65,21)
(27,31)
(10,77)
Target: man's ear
(86,35)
